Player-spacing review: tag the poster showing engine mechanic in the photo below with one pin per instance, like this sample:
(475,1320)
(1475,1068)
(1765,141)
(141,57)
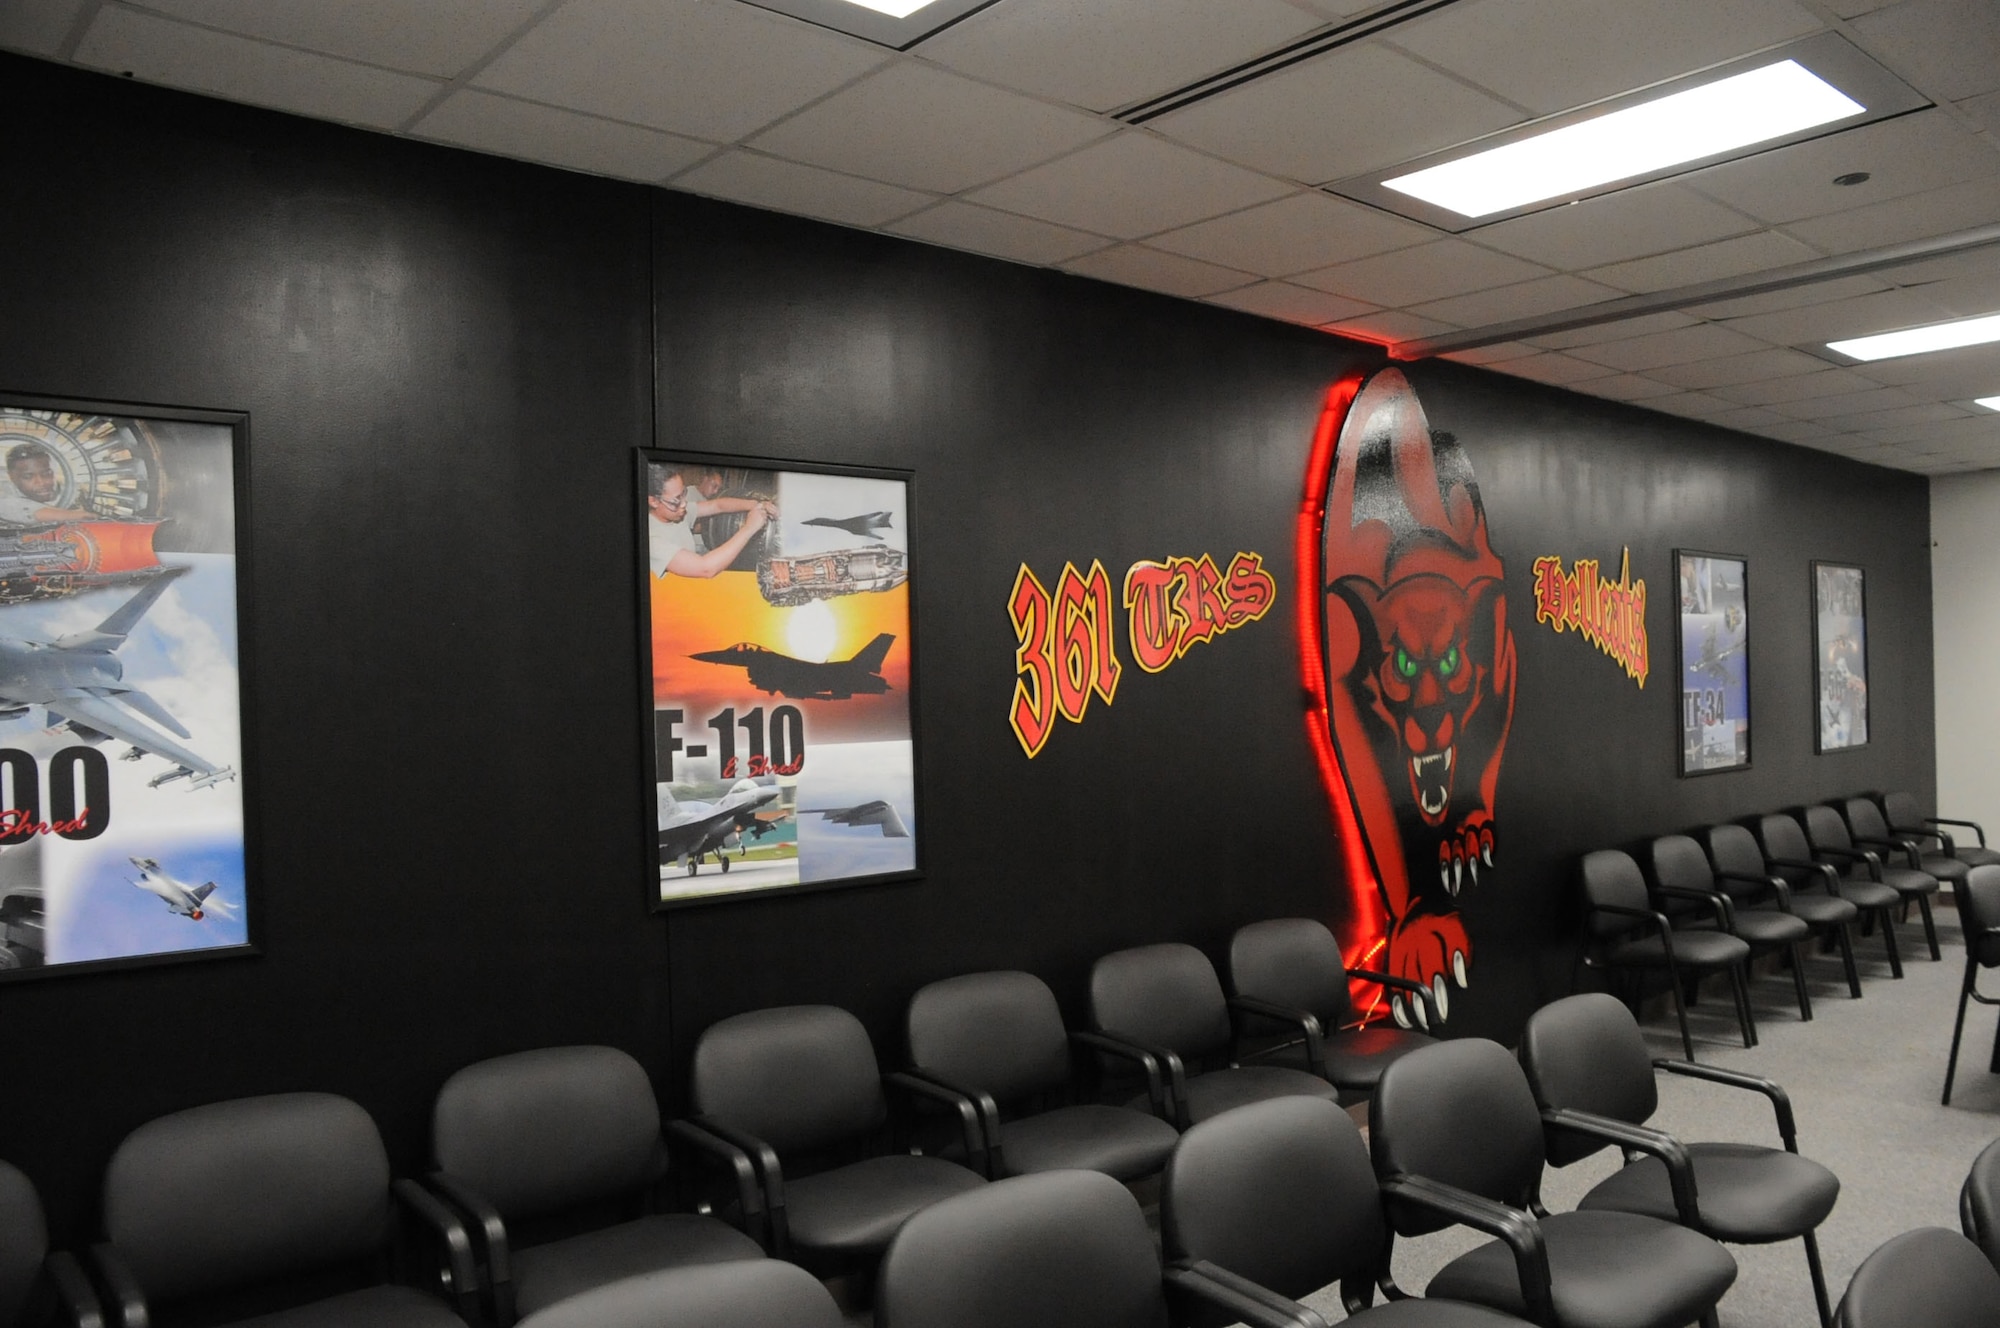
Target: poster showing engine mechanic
(1415,683)
(121,814)
(778,647)
(1840,627)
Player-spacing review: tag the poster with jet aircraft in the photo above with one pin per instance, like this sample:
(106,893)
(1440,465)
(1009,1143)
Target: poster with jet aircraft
(777,628)
(1840,674)
(1715,662)
(121,806)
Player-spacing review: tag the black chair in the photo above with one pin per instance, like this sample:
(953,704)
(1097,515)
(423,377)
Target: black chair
(1906,817)
(1062,1249)
(31,1279)
(801,1083)
(1624,930)
(1979,1203)
(744,1293)
(1979,916)
(1281,1193)
(1164,1000)
(1903,866)
(998,1040)
(1789,856)
(555,1157)
(1740,870)
(1829,837)
(1587,1065)
(1457,1139)
(1684,885)
(238,1210)
(1928,1278)
(1289,971)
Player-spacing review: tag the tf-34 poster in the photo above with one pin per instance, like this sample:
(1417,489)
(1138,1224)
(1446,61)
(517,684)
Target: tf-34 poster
(778,644)
(121,816)
(1715,663)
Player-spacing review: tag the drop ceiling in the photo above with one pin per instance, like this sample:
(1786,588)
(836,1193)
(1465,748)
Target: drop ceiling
(1049,132)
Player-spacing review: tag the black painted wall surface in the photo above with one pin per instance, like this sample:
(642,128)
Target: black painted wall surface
(448,360)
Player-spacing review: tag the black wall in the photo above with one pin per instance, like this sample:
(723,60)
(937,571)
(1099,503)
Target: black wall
(448,360)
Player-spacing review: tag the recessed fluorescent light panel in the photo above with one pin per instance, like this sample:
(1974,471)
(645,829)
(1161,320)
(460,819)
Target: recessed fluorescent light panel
(1782,96)
(898,24)
(1920,340)
(1991,403)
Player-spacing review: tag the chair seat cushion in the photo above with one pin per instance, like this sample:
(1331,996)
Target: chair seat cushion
(1864,892)
(1746,1194)
(1357,1058)
(1976,855)
(1824,910)
(742,1291)
(1430,1314)
(1770,926)
(1699,949)
(855,1209)
(1952,871)
(546,1274)
(1609,1270)
(377,1307)
(1908,881)
(1217,1091)
(1117,1141)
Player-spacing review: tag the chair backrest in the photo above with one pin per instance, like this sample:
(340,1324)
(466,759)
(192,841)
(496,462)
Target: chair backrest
(1903,809)
(998,1032)
(1825,828)
(1930,1276)
(1280,1192)
(1979,1203)
(1978,903)
(1166,994)
(1295,962)
(1586,1053)
(1732,848)
(1059,1249)
(238,1192)
(1781,836)
(742,1293)
(24,1243)
(1610,877)
(1864,818)
(1461,1113)
(796,1076)
(1678,862)
(540,1131)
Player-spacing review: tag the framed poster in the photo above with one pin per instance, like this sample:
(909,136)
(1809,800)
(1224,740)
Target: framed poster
(778,644)
(1714,633)
(121,705)
(1840,630)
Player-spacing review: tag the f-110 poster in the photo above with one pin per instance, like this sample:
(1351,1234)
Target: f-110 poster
(778,647)
(121,817)
(1840,628)
(1715,663)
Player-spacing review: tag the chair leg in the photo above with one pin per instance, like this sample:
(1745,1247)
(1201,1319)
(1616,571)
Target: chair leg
(1930,925)
(1799,982)
(1739,987)
(1847,960)
(1889,943)
(1958,1028)
(1818,1280)
(1680,1013)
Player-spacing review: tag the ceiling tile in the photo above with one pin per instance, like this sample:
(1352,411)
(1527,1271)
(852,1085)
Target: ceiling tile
(1650,219)
(1111,53)
(1425,272)
(1819,292)
(1907,155)
(1155,270)
(1817,324)
(1731,370)
(1001,234)
(486,123)
(1527,299)
(1824,382)
(1985,110)
(925,129)
(1756,252)
(1920,216)
(1130,185)
(1338,114)
(1551,367)
(1968,265)
(38,27)
(1691,405)
(1845,404)
(703,68)
(1550,55)
(1387,328)
(1750,417)
(1798,431)
(1335,8)
(1622,330)
(785,186)
(1290,304)
(1929,412)
(1307,230)
(160,50)
(1485,355)
(1967,432)
(437,37)
(1684,345)
(1627,387)
(1971,371)
(1906,36)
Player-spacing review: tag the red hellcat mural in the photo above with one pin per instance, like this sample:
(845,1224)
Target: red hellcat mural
(1411,665)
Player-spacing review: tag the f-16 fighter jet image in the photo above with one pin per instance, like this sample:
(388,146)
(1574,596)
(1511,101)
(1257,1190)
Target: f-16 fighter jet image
(190,901)
(80,682)
(877,813)
(691,830)
(863,526)
(835,680)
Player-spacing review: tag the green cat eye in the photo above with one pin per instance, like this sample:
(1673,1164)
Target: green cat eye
(1404,664)
(1448,664)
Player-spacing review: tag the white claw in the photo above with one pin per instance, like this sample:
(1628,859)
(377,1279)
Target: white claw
(1472,871)
(1439,990)
(1458,967)
(1396,1009)
(1444,873)
(1418,1013)
(1486,852)
(1457,873)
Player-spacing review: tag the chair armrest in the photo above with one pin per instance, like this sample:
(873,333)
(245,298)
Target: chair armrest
(1659,921)
(1423,993)
(128,1302)
(1824,869)
(1873,861)
(1521,1232)
(1654,1143)
(1970,825)
(492,1237)
(1166,1077)
(1781,1102)
(1718,902)
(983,1103)
(1248,1301)
(74,1293)
(1922,833)
(765,1159)
(1304,1020)
(712,1147)
(1906,847)
(971,1125)
(461,1269)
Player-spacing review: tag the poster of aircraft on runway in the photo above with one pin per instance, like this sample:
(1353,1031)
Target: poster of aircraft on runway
(777,629)
(121,802)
